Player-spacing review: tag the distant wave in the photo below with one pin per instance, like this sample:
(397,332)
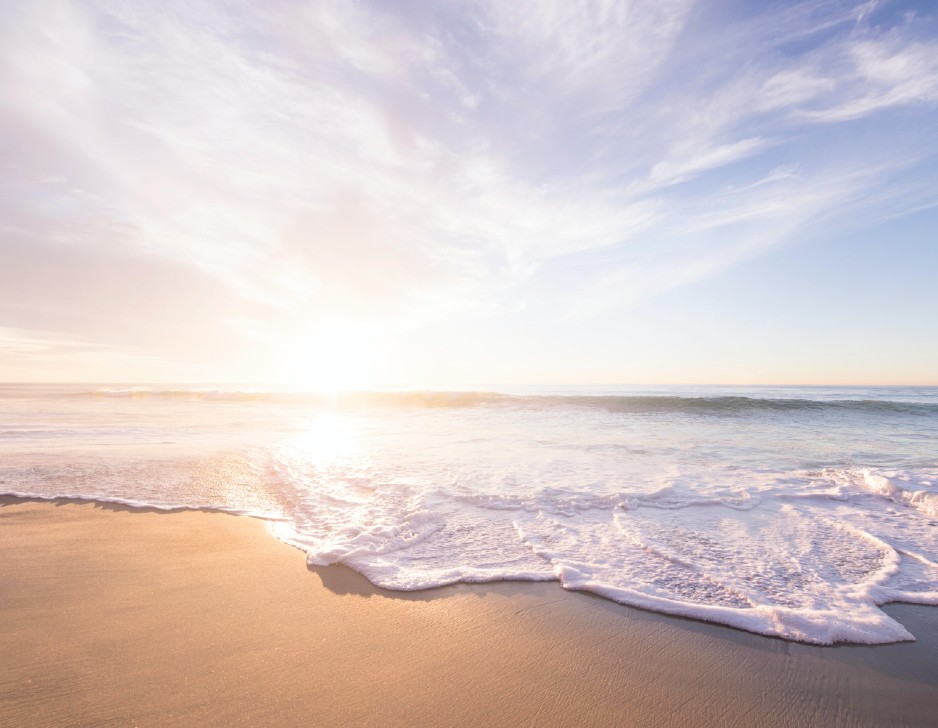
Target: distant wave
(730,404)
(628,404)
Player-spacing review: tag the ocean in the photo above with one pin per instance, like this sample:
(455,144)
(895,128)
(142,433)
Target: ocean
(787,511)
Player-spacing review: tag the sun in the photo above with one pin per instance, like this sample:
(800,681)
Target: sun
(333,359)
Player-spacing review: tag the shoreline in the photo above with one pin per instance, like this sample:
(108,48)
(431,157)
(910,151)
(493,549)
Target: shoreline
(114,614)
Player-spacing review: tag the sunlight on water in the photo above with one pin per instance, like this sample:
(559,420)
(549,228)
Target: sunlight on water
(327,438)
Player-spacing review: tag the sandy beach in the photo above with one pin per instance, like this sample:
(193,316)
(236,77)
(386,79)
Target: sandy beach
(118,616)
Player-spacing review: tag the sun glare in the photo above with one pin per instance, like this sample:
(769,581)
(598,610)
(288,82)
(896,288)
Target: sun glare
(334,359)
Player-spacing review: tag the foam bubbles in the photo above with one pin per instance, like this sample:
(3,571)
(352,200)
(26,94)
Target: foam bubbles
(814,571)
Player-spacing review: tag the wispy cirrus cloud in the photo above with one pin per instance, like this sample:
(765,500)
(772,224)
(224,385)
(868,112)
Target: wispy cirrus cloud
(391,166)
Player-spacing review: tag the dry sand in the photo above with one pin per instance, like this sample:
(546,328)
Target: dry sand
(113,616)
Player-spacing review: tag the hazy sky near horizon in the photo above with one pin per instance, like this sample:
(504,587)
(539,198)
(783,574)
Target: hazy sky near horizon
(343,193)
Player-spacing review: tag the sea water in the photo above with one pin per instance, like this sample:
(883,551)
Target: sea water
(793,512)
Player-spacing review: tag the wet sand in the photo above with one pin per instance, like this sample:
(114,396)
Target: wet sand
(119,616)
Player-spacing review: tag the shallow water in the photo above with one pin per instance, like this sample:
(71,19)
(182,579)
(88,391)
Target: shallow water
(785,511)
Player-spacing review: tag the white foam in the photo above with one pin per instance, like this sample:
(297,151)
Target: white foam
(813,569)
(898,490)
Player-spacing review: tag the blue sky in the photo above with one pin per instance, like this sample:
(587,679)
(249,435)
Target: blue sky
(344,193)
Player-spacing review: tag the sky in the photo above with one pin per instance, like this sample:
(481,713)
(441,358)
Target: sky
(345,194)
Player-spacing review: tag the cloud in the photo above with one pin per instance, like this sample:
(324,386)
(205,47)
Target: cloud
(693,160)
(882,74)
(393,165)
